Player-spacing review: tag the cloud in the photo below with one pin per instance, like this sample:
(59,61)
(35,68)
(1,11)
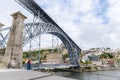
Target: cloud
(114,11)
(9,7)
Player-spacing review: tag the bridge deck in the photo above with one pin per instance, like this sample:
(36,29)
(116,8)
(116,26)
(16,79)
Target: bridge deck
(52,66)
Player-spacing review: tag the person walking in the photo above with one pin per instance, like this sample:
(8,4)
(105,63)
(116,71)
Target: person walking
(28,64)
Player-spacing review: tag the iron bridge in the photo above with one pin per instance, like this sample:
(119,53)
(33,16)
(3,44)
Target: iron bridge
(45,25)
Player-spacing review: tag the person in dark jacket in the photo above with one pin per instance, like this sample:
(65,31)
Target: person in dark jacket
(28,64)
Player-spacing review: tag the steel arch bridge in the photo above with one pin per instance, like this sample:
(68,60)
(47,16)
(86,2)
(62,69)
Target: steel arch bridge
(45,26)
(32,31)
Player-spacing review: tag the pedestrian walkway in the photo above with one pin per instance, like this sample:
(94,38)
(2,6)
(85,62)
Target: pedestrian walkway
(10,70)
(18,74)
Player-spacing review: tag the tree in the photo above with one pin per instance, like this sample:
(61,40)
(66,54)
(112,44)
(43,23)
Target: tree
(110,55)
(25,55)
(106,55)
(65,56)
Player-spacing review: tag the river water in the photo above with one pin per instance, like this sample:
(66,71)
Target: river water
(99,75)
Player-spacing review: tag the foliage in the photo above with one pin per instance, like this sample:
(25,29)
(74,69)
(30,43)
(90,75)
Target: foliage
(110,56)
(88,62)
(43,57)
(103,56)
(88,67)
(106,55)
(25,55)
(65,56)
(33,55)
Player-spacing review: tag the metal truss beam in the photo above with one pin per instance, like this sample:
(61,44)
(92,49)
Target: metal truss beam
(37,11)
(31,32)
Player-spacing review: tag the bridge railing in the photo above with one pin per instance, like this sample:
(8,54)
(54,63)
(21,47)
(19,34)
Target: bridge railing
(51,66)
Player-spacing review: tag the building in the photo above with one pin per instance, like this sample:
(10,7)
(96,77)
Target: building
(54,59)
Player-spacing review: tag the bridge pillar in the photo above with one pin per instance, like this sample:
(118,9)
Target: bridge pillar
(14,48)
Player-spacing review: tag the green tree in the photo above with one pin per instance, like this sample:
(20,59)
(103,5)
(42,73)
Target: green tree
(106,55)
(87,62)
(110,55)
(25,55)
(65,56)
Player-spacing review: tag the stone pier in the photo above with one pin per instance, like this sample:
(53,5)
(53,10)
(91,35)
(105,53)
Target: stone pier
(14,48)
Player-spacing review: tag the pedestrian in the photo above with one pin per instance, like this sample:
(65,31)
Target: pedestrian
(28,64)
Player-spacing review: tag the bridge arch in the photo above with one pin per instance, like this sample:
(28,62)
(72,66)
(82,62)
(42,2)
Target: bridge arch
(33,30)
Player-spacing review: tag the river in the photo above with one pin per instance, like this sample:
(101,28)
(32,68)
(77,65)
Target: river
(99,75)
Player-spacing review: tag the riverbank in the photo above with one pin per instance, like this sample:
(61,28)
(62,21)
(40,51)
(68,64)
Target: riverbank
(82,69)
(92,69)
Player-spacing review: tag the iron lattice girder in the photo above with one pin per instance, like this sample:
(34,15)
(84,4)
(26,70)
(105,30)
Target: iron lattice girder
(31,31)
(3,38)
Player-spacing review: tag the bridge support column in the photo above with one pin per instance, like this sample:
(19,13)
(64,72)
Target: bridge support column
(14,48)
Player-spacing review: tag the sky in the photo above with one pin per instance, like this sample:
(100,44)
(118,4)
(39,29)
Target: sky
(89,23)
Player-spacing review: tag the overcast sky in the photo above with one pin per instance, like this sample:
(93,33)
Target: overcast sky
(90,23)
